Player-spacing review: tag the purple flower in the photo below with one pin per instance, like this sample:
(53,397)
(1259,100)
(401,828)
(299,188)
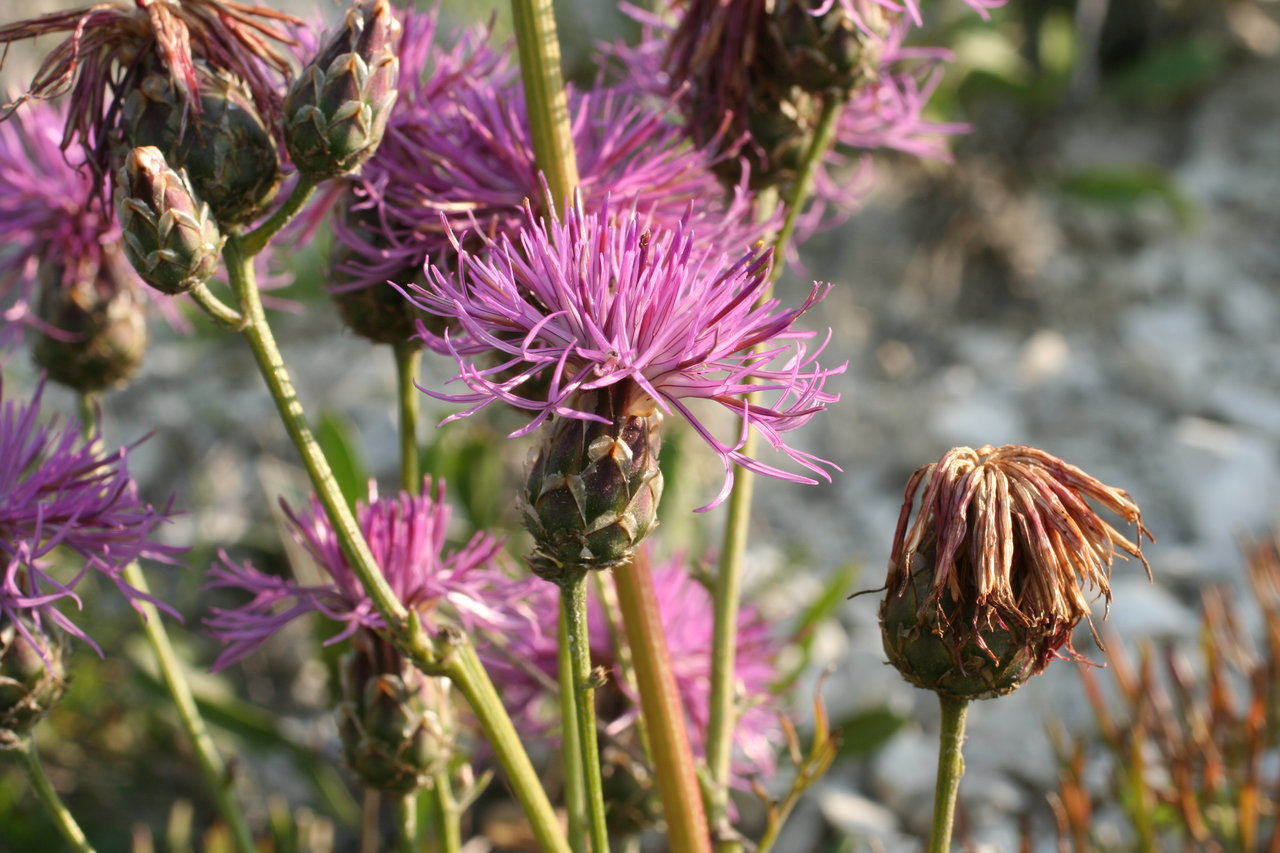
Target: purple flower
(407,537)
(60,491)
(598,300)
(525,666)
(457,156)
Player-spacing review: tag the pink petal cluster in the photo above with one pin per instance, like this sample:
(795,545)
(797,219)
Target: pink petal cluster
(600,299)
(406,534)
(61,491)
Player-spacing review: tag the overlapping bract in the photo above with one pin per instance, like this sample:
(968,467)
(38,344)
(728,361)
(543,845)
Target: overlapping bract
(598,300)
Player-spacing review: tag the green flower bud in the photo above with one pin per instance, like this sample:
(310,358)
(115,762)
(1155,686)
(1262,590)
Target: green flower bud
(592,492)
(228,153)
(337,109)
(169,235)
(97,328)
(32,678)
(390,726)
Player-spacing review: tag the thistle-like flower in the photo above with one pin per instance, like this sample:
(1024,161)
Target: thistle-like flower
(58,490)
(120,40)
(986,585)
(598,303)
(407,537)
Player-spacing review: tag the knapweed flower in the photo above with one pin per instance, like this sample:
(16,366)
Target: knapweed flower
(524,666)
(64,501)
(406,534)
(457,157)
(598,303)
(113,44)
(987,584)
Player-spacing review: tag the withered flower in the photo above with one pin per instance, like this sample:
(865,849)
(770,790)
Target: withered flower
(985,587)
(109,44)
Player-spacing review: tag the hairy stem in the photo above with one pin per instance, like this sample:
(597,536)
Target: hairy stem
(575,785)
(573,597)
(26,749)
(950,769)
(256,240)
(408,357)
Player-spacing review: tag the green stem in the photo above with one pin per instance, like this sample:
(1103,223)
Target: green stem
(210,760)
(727,589)
(573,601)
(446,816)
(370,821)
(270,363)
(950,769)
(221,313)
(548,107)
(256,240)
(575,786)
(462,666)
(408,356)
(661,706)
(26,749)
(407,823)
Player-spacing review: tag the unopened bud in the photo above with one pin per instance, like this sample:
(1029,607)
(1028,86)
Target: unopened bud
(367,304)
(169,234)
(32,678)
(337,109)
(592,492)
(96,328)
(389,720)
(826,49)
(226,149)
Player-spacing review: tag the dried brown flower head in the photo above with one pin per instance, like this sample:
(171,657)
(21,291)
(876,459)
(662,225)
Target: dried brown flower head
(985,587)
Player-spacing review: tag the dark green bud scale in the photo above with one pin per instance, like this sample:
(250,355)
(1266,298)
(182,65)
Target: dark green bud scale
(32,678)
(169,234)
(336,111)
(591,494)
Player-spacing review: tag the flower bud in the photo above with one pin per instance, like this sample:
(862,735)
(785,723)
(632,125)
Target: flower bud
(373,309)
(32,678)
(391,733)
(337,109)
(228,153)
(827,51)
(592,492)
(169,234)
(96,328)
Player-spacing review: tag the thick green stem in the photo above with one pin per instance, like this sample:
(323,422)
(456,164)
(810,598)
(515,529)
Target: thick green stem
(210,760)
(446,817)
(662,707)
(573,599)
(408,357)
(950,769)
(727,589)
(575,786)
(256,240)
(548,107)
(462,666)
(407,823)
(221,313)
(26,749)
(271,365)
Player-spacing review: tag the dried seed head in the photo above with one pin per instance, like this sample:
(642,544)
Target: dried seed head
(32,677)
(226,149)
(392,737)
(169,234)
(592,492)
(985,587)
(95,331)
(336,111)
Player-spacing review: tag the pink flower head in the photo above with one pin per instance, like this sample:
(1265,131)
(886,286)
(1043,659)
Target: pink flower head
(59,490)
(407,537)
(525,666)
(108,43)
(598,300)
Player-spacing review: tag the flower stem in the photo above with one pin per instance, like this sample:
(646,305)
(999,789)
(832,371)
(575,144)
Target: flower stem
(661,706)
(271,365)
(256,240)
(210,760)
(548,107)
(727,588)
(221,313)
(407,823)
(950,769)
(445,815)
(408,356)
(575,786)
(26,749)
(573,600)
(462,666)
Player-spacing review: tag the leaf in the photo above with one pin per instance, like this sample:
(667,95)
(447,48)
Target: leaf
(1128,186)
(1170,70)
(866,731)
